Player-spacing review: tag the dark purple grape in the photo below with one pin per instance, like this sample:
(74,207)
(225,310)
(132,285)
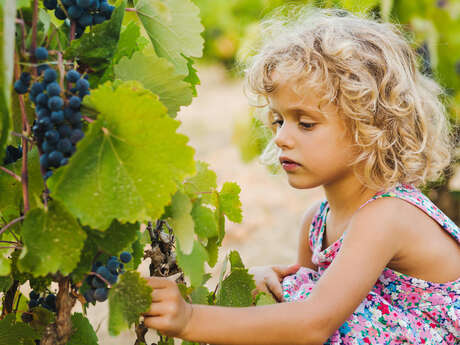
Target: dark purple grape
(125,257)
(50,4)
(41,53)
(45,123)
(76,136)
(73,76)
(64,145)
(65,131)
(55,103)
(25,78)
(63,161)
(57,116)
(75,102)
(47,147)
(50,75)
(68,3)
(97,283)
(84,3)
(75,12)
(52,135)
(36,88)
(101,294)
(103,271)
(20,87)
(75,118)
(54,158)
(53,89)
(98,19)
(48,174)
(59,13)
(44,161)
(86,20)
(89,296)
(34,295)
(42,112)
(42,99)
(95,266)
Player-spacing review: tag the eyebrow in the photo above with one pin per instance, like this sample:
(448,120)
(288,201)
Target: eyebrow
(299,112)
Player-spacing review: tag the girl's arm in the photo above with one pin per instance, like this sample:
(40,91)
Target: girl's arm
(373,238)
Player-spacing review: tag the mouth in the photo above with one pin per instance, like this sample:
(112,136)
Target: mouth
(287,161)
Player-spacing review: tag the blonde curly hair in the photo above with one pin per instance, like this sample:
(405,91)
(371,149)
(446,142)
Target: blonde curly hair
(393,112)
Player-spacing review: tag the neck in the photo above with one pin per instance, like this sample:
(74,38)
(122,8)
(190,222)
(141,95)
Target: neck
(345,197)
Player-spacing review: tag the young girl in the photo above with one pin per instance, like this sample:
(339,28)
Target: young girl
(380,263)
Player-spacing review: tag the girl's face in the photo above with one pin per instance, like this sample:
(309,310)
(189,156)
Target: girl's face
(305,135)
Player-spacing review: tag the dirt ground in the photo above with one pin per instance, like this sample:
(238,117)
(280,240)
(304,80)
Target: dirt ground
(271,208)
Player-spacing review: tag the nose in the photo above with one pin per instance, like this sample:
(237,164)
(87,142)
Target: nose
(284,137)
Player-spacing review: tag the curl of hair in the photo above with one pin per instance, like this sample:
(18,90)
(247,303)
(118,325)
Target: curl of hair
(366,68)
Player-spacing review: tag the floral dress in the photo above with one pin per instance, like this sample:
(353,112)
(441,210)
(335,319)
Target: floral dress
(399,309)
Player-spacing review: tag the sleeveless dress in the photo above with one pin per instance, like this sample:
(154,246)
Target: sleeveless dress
(399,309)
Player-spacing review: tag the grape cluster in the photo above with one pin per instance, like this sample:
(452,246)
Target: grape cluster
(99,291)
(12,154)
(84,12)
(59,124)
(48,302)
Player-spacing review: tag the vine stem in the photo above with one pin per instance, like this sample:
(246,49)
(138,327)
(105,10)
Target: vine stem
(34,27)
(9,172)
(14,221)
(130,9)
(25,144)
(88,119)
(72,31)
(22,136)
(23,27)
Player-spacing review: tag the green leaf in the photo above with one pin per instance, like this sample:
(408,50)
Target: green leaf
(212,248)
(204,181)
(357,6)
(230,201)
(181,221)
(236,289)
(204,220)
(130,297)
(199,295)
(83,332)
(16,333)
(174,28)
(192,76)
(263,298)
(87,255)
(158,75)
(116,238)
(97,47)
(193,264)
(7,35)
(130,157)
(52,241)
(5,283)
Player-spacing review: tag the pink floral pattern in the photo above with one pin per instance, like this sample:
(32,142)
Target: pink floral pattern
(400,309)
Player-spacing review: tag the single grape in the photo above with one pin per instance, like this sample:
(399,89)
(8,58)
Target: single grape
(75,12)
(65,131)
(63,161)
(83,93)
(47,147)
(95,6)
(34,295)
(125,257)
(27,317)
(54,158)
(20,87)
(41,68)
(44,161)
(86,20)
(77,135)
(42,112)
(72,76)
(42,99)
(104,272)
(112,265)
(64,145)
(52,135)
(36,88)
(51,300)
(50,4)
(41,53)
(53,89)
(59,13)
(25,78)
(89,296)
(98,18)
(101,294)
(97,283)
(50,75)
(45,123)
(75,102)
(82,85)
(55,103)
(57,116)
(68,3)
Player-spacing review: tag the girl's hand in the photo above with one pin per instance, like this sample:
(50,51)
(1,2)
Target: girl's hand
(169,313)
(268,279)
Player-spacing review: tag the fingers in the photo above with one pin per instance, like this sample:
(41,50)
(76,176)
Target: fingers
(159,282)
(283,271)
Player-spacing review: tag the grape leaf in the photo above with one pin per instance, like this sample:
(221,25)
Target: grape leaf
(212,249)
(87,255)
(263,298)
(236,288)
(130,297)
(52,241)
(7,35)
(199,295)
(363,5)
(205,221)
(5,283)
(116,238)
(83,332)
(193,264)
(158,75)
(97,47)
(174,28)
(230,202)
(130,157)
(16,333)
(205,180)
(182,222)
(192,76)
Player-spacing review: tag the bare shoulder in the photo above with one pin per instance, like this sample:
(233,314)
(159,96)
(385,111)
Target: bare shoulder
(305,253)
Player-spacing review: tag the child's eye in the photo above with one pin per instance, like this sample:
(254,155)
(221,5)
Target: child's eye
(307,125)
(280,122)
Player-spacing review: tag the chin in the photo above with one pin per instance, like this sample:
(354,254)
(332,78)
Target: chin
(302,183)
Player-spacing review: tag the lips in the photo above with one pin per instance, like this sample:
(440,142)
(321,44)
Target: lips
(287,160)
